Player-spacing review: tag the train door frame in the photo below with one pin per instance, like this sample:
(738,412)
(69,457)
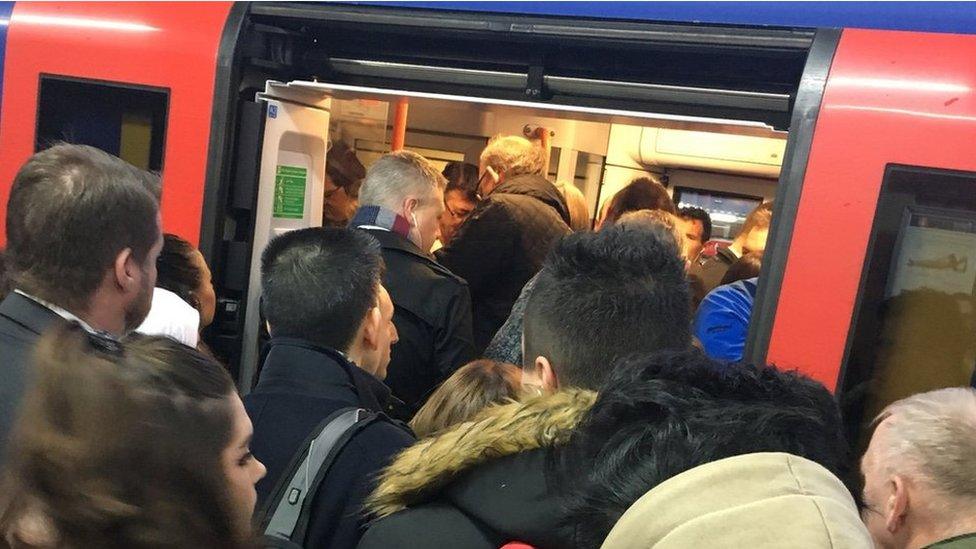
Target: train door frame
(248,39)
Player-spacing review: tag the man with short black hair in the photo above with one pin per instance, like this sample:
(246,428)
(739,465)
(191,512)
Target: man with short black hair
(331,323)
(480,484)
(401,201)
(504,241)
(698,230)
(621,290)
(83,235)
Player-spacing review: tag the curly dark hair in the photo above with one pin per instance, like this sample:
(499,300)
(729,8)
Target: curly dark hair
(662,414)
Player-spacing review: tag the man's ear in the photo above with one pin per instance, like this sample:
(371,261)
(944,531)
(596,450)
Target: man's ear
(126,270)
(546,374)
(409,206)
(896,506)
(371,328)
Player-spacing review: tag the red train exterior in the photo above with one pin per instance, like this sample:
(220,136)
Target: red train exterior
(890,97)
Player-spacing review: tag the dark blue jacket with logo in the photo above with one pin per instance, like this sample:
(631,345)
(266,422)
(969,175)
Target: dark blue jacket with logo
(300,385)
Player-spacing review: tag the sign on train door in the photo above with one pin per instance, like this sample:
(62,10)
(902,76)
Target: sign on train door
(291,186)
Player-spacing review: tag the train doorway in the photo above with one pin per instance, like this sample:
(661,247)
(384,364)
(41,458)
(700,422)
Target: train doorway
(717,114)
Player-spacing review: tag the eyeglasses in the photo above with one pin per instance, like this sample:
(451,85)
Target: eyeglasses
(460,215)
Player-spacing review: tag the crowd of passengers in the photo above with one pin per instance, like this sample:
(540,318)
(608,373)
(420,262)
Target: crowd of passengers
(529,383)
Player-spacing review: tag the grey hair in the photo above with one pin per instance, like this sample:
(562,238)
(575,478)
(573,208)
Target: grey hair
(398,175)
(512,155)
(932,438)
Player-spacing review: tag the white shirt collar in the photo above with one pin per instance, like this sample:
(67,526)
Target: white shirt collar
(67,315)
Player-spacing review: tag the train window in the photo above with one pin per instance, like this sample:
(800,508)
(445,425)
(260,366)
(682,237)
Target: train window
(915,324)
(125,120)
(728,211)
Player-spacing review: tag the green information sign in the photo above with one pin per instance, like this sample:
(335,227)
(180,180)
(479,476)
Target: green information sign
(289,193)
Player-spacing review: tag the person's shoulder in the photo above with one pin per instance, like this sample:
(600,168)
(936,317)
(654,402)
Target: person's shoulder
(383,437)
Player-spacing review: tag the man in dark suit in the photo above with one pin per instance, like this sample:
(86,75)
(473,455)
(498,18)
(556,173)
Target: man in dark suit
(83,235)
(401,201)
(331,324)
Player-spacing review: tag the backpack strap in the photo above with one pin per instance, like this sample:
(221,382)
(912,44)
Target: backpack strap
(286,516)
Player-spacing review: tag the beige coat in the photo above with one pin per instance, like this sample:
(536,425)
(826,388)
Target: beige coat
(755,501)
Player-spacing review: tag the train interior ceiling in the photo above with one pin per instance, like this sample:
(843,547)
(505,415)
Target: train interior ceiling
(705,110)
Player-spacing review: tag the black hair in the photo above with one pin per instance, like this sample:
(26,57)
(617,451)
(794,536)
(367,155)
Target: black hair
(698,214)
(72,210)
(176,270)
(462,177)
(601,295)
(665,413)
(318,284)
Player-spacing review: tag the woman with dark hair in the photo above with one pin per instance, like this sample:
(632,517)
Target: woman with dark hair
(642,193)
(184,300)
(460,197)
(136,444)
(182,270)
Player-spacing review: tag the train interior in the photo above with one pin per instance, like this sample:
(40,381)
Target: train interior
(704,110)
(726,167)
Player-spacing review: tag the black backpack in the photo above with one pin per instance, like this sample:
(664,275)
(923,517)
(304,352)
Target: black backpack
(285,516)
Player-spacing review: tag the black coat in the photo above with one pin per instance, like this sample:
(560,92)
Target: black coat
(504,500)
(432,314)
(502,245)
(706,274)
(301,384)
(22,321)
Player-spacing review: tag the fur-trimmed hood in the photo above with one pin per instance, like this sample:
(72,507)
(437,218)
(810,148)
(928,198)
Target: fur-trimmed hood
(419,472)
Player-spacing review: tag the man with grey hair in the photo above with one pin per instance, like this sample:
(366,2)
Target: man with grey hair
(504,241)
(920,474)
(400,201)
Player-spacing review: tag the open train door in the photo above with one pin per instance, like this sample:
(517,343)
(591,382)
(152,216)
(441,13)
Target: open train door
(290,188)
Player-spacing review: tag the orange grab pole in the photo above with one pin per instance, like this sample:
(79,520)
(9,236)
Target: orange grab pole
(399,124)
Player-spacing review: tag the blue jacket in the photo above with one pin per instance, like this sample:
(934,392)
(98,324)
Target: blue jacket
(722,321)
(300,385)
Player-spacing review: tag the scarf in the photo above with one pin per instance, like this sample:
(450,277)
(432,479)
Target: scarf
(375,216)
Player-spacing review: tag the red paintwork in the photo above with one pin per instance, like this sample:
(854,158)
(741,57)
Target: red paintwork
(180,55)
(891,97)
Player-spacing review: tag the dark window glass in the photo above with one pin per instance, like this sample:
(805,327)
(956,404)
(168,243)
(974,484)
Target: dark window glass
(915,324)
(127,121)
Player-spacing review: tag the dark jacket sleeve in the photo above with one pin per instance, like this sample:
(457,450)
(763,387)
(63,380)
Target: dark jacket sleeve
(454,340)
(506,346)
(337,516)
(481,248)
